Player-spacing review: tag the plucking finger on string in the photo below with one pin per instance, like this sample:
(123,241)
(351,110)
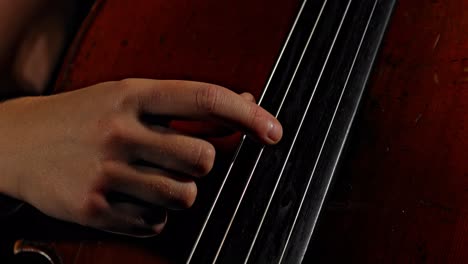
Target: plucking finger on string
(201,101)
(223,138)
(204,129)
(294,141)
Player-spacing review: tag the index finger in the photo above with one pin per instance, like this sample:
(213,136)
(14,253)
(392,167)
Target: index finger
(196,100)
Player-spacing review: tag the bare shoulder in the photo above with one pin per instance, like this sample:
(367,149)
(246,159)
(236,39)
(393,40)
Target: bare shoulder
(32,36)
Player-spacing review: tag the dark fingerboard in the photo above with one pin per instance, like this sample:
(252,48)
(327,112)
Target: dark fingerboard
(270,201)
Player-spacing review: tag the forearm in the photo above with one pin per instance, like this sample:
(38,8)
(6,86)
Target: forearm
(32,36)
(17,142)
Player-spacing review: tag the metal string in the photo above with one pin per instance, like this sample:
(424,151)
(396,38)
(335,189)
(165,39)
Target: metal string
(326,137)
(260,154)
(276,115)
(297,132)
(243,138)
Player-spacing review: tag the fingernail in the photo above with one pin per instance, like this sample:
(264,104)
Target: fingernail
(249,97)
(159,221)
(275,132)
(158,228)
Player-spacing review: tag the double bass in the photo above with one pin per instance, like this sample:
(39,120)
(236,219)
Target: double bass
(385,183)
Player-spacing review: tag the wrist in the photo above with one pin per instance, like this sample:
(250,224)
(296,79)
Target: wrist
(13,162)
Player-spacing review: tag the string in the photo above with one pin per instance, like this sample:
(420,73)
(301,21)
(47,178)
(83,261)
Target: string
(326,137)
(276,115)
(339,29)
(297,133)
(243,138)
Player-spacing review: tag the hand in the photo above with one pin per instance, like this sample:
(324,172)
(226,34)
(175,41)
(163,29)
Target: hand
(88,157)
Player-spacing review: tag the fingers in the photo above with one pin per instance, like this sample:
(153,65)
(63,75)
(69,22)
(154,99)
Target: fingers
(174,151)
(152,186)
(201,128)
(173,158)
(206,128)
(205,101)
(128,218)
(131,219)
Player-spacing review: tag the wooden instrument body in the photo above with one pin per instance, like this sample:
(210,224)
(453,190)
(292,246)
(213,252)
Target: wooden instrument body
(401,195)
(234,44)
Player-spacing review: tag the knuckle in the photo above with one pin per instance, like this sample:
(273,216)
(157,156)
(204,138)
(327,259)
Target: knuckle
(207,98)
(94,205)
(125,84)
(108,172)
(155,96)
(113,131)
(127,95)
(92,208)
(255,115)
(205,159)
(137,93)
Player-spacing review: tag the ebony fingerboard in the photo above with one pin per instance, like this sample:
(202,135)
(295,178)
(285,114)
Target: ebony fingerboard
(270,201)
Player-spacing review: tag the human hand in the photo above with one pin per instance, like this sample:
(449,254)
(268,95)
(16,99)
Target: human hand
(75,155)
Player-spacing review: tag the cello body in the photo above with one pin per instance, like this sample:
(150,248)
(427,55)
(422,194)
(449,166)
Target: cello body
(401,193)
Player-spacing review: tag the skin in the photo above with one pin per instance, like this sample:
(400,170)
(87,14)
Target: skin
(72,155)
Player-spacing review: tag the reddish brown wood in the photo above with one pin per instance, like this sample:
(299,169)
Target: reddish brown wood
(231,43)
(402,194)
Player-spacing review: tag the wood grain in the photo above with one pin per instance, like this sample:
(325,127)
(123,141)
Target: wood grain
(402,193)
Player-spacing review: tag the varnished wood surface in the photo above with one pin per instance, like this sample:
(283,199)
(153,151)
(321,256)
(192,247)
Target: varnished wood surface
(230,43)
(402,193)
(184,40)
